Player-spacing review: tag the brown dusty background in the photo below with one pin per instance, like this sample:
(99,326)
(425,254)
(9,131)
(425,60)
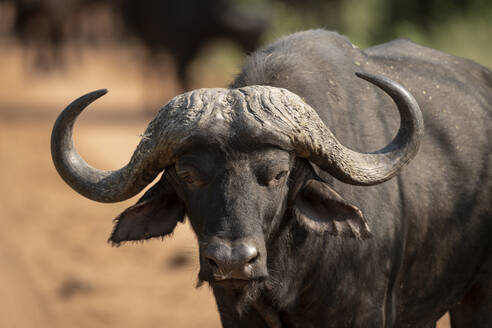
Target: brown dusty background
(56,268)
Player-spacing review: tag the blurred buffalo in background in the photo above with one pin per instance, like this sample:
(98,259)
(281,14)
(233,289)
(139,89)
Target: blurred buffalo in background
(183,28)
(45,26)
(180,28)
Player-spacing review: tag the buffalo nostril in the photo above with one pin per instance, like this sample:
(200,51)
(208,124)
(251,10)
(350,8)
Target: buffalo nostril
(212,263)
(236,262)
(247,254)
(253,259)
(217,255)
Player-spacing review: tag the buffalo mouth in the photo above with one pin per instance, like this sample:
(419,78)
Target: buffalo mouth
(230,282)
(239,286)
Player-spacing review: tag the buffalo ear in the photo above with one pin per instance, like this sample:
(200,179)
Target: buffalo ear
(154,215)
(320,209)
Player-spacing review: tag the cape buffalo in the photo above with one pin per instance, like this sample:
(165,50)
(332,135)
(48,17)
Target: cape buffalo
(298,229)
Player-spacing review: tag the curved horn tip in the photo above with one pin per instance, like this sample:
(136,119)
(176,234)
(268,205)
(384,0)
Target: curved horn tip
(95,94)
(83,101)
(385,83)
(79,104)
(364,75)
(91,96)
(374,78)
(102,91)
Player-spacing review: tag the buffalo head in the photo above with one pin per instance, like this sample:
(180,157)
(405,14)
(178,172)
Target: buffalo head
(236,162)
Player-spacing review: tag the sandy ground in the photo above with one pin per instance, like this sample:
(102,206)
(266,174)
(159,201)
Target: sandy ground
(57,269)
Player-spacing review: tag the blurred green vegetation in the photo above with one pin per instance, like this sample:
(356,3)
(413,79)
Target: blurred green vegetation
(459,27)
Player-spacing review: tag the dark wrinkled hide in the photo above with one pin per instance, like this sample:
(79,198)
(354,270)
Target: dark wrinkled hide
(329,254)
(431,225)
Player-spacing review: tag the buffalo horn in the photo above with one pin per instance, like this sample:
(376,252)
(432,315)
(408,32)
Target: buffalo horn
(323,149)
(99,185)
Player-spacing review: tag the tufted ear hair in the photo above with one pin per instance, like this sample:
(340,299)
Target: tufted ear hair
(154,215)
(319,208)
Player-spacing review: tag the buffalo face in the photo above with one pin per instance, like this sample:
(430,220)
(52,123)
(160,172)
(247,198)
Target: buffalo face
(237,199)
(236,162)
(234,198)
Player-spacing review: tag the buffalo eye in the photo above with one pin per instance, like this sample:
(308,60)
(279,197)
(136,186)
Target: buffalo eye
(280,176)
(186,177)
(275,178)
(195,169)
(188,174)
